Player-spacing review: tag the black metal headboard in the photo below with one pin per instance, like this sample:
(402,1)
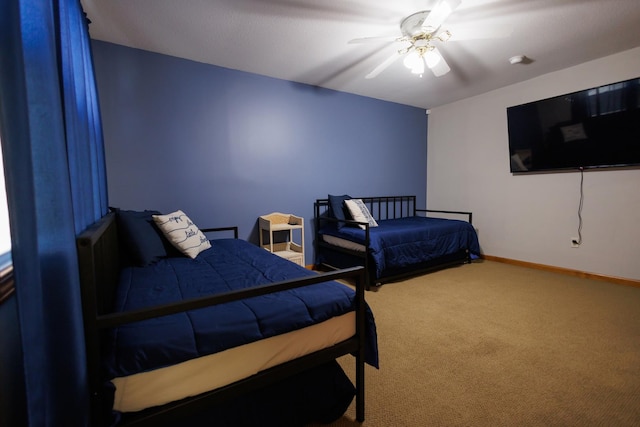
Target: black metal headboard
(388,207)
(99,267)
(99,263)
(381,207)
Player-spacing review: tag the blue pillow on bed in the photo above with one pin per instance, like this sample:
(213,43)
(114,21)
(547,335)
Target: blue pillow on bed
(337,209)
(141,239)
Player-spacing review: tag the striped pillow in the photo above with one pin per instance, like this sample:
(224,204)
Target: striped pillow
(360,213)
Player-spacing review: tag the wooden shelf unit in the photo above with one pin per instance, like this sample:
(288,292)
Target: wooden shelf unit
(292,248)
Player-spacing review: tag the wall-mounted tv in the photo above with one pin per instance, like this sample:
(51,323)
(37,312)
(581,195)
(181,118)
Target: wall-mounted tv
(592,128)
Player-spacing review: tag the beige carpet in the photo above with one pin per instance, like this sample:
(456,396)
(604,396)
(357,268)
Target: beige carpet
(491,344)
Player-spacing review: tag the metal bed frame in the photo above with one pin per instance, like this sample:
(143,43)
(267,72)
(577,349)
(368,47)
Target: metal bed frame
(381,208)
(99,267)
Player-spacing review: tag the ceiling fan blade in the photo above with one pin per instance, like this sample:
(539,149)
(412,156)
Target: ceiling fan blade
(485,33)
(440,68)
(438,14)
(380,68)
(379,39)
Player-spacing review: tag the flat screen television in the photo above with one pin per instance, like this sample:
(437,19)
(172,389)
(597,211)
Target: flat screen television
(589,129)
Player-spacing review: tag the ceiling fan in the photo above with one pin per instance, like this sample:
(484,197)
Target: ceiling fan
(421,30)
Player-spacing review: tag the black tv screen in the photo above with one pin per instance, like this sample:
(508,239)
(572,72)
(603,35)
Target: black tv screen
(592,128)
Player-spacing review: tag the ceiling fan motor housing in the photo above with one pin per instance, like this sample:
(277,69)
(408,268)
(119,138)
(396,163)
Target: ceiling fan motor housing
(411,26)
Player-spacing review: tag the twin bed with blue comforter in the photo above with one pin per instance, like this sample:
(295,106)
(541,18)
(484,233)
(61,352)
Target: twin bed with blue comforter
(393,239)
(171,333)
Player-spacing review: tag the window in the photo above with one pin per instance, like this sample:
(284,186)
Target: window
(6,269)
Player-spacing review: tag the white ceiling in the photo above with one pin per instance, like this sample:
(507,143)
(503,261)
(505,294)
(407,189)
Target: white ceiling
(306,40)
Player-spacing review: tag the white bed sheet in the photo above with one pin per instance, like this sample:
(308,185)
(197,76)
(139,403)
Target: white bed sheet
(190,378)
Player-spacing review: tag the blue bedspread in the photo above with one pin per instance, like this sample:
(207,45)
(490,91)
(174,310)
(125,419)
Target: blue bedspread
(229,264)
(402,242)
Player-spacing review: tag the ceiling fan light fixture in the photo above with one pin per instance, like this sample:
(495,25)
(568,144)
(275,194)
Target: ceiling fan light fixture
(412,60)
(421,30)
(418,68)
(431,58)
(443,36)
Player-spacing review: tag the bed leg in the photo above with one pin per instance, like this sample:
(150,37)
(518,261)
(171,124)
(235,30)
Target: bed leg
(359,389)
(362,283)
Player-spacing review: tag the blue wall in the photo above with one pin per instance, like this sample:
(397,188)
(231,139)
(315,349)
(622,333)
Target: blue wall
(227,146)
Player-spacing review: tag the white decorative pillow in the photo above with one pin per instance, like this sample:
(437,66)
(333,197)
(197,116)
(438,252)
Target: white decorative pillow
(182,233)
(360,213)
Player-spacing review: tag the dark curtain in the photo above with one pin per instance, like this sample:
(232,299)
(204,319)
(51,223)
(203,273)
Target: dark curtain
(56,186)
(83,127)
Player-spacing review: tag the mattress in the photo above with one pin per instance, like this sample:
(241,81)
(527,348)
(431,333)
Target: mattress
(190,378)
(343,243)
